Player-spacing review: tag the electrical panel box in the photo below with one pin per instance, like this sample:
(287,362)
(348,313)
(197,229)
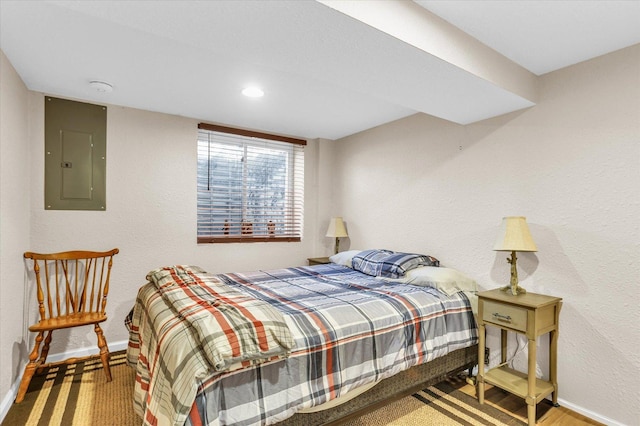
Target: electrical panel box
(75,140)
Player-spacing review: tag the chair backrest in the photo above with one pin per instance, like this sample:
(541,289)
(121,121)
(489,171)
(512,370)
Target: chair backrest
(72,282)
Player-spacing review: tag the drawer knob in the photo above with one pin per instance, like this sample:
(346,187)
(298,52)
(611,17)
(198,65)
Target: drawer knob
(500,317)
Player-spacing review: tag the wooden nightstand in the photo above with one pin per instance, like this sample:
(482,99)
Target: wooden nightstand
(532,315)
(318,260)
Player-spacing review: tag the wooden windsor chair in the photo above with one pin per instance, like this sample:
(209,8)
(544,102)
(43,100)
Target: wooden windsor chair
(72,289)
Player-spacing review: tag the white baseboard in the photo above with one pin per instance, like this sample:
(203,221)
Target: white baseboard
(7,401)
(593,416)
(91,350)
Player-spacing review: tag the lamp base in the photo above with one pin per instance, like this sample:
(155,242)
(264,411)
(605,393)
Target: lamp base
(514,289)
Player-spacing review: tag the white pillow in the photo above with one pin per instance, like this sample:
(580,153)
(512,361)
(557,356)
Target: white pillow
(344,257)
(447,280)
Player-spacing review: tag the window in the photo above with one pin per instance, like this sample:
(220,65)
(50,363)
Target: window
(250,186)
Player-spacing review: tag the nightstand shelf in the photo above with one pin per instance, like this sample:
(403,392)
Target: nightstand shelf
(532,315)
(318,260)
(517,382)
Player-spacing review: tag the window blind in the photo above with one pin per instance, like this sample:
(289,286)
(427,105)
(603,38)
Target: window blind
(250,186)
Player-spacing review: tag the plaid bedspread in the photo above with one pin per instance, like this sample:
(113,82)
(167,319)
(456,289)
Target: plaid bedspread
(233,329)
(349,329)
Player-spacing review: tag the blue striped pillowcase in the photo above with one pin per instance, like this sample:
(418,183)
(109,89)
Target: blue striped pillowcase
(390,264)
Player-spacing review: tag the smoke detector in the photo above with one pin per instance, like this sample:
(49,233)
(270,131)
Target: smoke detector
(101,86)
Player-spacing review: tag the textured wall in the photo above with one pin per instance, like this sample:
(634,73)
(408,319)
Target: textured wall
(14,222)
(150,215)
(571,165)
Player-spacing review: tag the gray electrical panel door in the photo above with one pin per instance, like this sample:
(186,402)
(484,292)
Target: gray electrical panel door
(75,140)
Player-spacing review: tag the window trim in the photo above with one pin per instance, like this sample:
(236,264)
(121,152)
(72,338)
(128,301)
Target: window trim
(248,239)
(252,134)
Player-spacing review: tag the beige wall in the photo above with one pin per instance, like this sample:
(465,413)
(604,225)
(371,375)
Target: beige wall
(14,223)
(571,165)
(151,212)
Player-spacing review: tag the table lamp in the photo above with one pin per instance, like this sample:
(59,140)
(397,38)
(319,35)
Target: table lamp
(337,230)
(514,236)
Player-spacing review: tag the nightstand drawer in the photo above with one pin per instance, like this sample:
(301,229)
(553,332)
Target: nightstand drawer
(505,315)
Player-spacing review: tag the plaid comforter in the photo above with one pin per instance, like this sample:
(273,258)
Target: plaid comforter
(348,330)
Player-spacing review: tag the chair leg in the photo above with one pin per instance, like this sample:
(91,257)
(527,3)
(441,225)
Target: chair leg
(104,352)
(45,352)
(30,369)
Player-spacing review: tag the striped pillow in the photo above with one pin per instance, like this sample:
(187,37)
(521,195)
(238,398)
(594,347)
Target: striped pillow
(389,264)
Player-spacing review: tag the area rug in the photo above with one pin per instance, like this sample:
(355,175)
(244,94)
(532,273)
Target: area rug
(78,395)
(439,405)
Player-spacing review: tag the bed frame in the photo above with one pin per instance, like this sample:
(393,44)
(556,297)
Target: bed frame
(391,389)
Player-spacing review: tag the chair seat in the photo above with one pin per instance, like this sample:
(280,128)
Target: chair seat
(67,321)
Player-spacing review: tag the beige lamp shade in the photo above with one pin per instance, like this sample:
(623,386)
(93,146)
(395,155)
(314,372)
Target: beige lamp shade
(336,228)
(514,235)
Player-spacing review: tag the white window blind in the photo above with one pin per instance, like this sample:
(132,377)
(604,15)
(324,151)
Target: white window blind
(250,186)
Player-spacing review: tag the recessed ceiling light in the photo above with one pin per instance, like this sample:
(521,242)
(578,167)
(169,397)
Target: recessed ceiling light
(101,86)
(253,92)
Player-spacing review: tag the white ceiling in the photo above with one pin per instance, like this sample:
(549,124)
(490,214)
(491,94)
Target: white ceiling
(545,35)
(325,73)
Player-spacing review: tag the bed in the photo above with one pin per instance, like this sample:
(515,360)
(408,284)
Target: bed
(278,346)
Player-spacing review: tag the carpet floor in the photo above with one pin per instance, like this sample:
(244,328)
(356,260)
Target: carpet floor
(78,394)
